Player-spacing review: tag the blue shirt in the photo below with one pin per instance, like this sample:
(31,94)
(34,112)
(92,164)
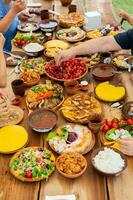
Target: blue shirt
(12,30)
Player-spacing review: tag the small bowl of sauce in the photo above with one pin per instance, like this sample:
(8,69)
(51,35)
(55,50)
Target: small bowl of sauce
(103,72)
(42,120)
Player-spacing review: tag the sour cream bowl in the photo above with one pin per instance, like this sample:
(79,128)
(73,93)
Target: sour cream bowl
(108,161)
(33,49)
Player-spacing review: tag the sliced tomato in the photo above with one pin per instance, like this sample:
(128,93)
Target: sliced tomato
(28,174)
(105,128)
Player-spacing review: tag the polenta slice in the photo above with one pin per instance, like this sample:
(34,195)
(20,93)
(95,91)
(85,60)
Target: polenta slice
(110,93)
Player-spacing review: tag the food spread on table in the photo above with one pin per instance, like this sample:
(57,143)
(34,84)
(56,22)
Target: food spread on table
(120,62)
(33,47)
(43,120)
(54,46)
(33,64)
(73,34)
(14,116)
(108,161)
(43,96)
(46,95)
(71,164)
(116,129)
(70,138)
(30,78)
(12,138)
(91,60)
(71,19)
(79,108)
(21,39)
(110,93)
(72,69)
(32,164)
(107,30)
(27,27)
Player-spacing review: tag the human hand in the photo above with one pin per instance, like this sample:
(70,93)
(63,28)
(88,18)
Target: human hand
(122,14)
(24,16)
(127,146)
(19,5)
(2,41)
(63,56)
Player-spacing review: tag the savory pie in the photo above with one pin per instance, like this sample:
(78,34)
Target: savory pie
(72,34)
(32,164)
(12,117)
(72,19)
(70,138)
(46,95)
(80,108)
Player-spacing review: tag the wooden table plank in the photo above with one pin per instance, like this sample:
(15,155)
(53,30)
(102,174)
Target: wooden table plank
(90,181)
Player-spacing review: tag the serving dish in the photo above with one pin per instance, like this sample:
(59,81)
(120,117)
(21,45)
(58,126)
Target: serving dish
(71,138)
(79,108)
(42,120)
(21,164)
(109,93)
(21,39)
(119,62)
(72,69)
(109,30)
(14,58)
(33,49)
(45,95)
(127,110)
(54,46)
(72,34)
(91,60)
(30,78)
(27,27)
(71,165)
(50,26)
(33,64)
(114,130)
(71,19)
(114,155)
(103,72)
(14,116)
(12,138)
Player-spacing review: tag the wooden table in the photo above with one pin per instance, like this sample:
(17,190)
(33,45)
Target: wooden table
(90,186)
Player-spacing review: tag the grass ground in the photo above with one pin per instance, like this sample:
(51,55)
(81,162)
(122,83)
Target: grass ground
(126,5)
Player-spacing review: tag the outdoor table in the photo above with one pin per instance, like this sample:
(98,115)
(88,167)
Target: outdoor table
(90,186)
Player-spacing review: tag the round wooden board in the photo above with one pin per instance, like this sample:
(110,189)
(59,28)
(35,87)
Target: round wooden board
(20,177)
(89,148)
(15,109)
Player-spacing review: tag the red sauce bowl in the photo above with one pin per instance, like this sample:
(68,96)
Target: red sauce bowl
(42,120)
(103,72)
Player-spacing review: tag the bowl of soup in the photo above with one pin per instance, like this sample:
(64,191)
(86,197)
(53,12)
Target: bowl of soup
(42,120)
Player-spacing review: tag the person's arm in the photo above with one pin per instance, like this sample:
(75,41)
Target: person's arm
(126,16)
(6,21)
(103,44)
(2,63)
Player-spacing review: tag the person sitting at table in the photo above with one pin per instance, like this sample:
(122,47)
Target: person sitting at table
(9,19)
(3,105)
